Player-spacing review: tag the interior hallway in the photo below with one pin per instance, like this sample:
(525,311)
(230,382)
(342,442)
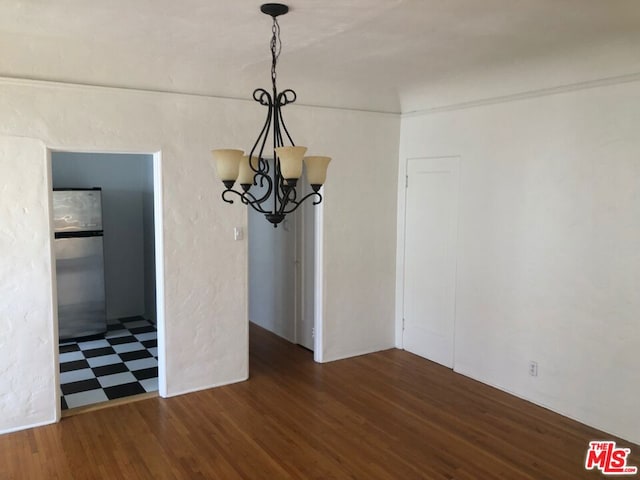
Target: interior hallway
(386,415)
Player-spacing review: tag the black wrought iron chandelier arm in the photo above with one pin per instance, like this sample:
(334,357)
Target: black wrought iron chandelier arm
(284,98)
(284,193)
(301,201)
(255,203)
(288,195)
(263,176)
(246,198)
(229,191)
(264,98)
(262,179)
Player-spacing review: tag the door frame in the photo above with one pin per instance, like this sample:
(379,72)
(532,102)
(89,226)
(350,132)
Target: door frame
(302,268)
(318,276)
(400,239)
(318,279)
(159,263)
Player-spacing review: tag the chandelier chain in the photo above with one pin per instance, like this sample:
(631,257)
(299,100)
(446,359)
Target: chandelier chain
(276,48)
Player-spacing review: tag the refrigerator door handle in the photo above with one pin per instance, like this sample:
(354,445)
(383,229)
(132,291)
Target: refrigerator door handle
(88,233)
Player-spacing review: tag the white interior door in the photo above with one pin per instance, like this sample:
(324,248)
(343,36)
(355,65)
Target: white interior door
(430,258)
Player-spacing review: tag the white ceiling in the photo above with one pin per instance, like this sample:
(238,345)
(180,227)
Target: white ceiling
(386,55)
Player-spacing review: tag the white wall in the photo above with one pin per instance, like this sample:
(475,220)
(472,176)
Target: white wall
(127,182)
(28,358)
(359,243)
(205,270)
(548,249)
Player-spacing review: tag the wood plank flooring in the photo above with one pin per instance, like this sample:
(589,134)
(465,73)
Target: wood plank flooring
(389,415)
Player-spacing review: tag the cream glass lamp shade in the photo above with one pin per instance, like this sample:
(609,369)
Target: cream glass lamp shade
(317,169)
(246,174)
(227,163)
(291,161)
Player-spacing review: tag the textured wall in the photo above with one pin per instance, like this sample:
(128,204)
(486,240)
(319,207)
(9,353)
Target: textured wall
(205,270)
(28,366)
(548,258)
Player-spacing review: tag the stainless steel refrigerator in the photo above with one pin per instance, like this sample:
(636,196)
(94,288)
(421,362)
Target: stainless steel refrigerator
(77,218)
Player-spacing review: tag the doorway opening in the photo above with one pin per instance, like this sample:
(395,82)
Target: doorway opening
(283,270)
(105,214)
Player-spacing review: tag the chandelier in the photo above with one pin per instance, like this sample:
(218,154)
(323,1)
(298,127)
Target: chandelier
(277,195)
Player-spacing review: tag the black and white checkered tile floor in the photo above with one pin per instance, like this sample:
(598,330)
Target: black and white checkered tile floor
(122,363)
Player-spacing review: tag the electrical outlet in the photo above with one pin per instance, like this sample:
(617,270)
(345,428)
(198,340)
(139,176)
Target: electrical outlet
(533,368)
(313,332)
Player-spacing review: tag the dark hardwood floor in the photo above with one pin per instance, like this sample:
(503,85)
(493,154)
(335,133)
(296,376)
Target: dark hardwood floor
(389,415)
